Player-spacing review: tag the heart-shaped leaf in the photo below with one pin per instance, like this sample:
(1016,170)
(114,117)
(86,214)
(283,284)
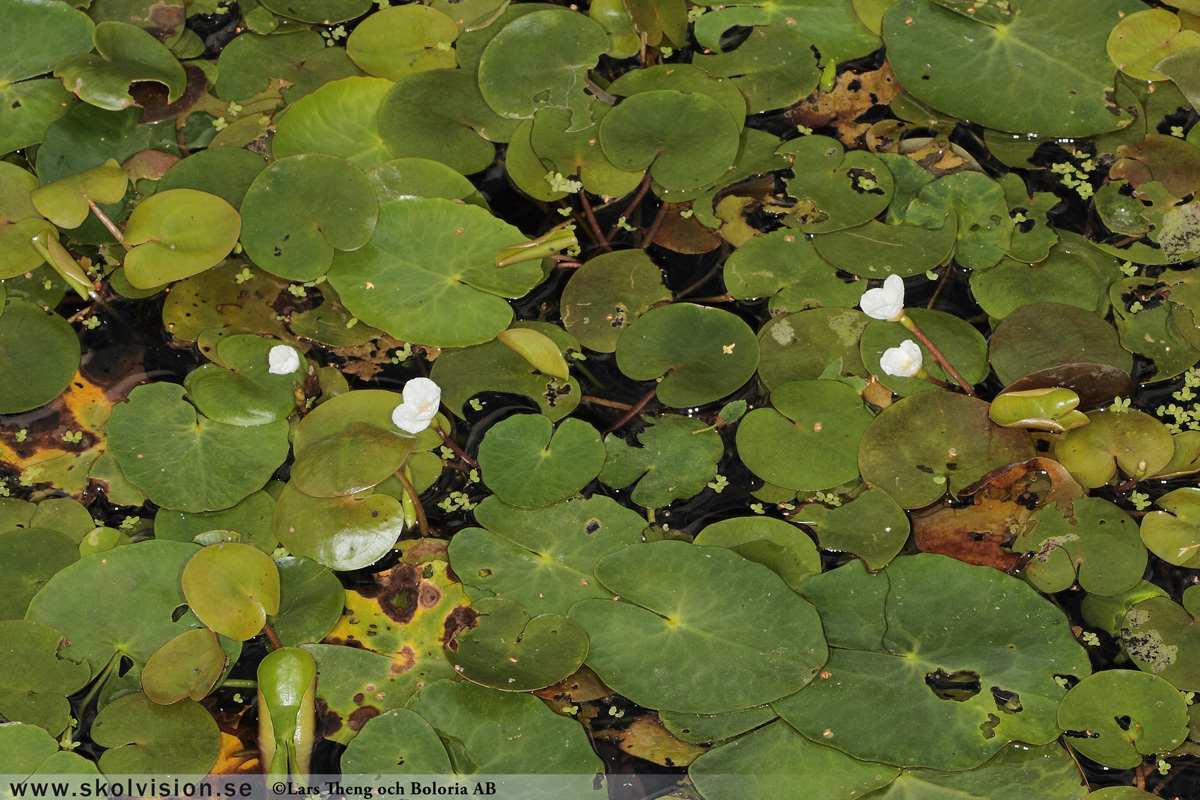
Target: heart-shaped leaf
(232,588)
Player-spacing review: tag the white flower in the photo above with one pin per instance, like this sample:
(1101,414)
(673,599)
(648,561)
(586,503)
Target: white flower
(886,303)
(283,359)
(421,400)
(903,361)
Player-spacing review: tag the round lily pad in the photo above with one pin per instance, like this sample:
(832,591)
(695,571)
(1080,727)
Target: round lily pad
(777,545)
(338,119)
(341,533)
(184,461)
(1134,441)
(526,462)
(1046,62)
(41,348)
(775,760)
(481,724)
(320,11)
(773,67)
(422,177)
(508,650)
(1044,335)
(1163,639)
(429,274)
(877,249)
(19,221)
(1073,274)
(494,366)
(65,201)
(1140,40)
(872,526)
(1088,535)
(759,643)
(933,442)
(299,210)
(28,558)
(677,459)
(232,588)
(144,738)
(1173,534)
(518,74)
(246,393)
(809,439)
(126,54)
(1118,716)
(35,680)
(802,346)
(226,172)
(834,189)
(250,519)
(608,293)
(543,558)
(701,354)
(403,40)
(784,266)
(686,140)
(24,747)
(301,58)
(125,601)
(903,647)
(397,742)
(186,667)
(176,234)
(440,115)
(978,204)
(311,599)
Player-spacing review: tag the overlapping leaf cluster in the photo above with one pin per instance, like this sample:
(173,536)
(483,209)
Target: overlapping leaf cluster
(523,201)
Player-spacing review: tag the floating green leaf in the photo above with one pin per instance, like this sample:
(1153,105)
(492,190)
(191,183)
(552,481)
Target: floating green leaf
(758,643)
(687,141)
(310,601)
(809,439)
(1163,639)
(508,650)
(1134,441)
(543,558)
(1123,716)
(1174,533)
(872,526)
(29,557)
(397,742)
(962,345)
(34,679)
(127,55)
(777,545)
(971,651)
(41,348)
(299,210)
(526,462)
(429,274)
(1088,535)
(1046,64)
(1040,336)
(701,354)
(339,119)
(144,738)
(65,202)
(833,189)
(232,588)
(802,346)
(341,533)
(785,267)
(187,666)
(678,457)
(403,40)
(607,294)
(176,234)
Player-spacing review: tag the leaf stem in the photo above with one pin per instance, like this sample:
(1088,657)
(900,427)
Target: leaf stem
(458,451)
(652,231)
(632,412)
(99,682)
(422,523)
(907,322)
(108,223)
(643,187)
(591,221)
(271,637)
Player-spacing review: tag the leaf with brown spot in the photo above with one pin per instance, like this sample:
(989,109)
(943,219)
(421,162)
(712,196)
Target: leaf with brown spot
(853,96)
(388,643)
(1003,501)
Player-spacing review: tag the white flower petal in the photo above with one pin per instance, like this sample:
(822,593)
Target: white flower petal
(903,361)
(283,360)
(886,302)
(406,418)
(422,398)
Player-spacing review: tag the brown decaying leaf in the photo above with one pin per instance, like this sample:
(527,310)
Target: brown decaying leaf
(1003,501)
(646,738)
(852,96)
